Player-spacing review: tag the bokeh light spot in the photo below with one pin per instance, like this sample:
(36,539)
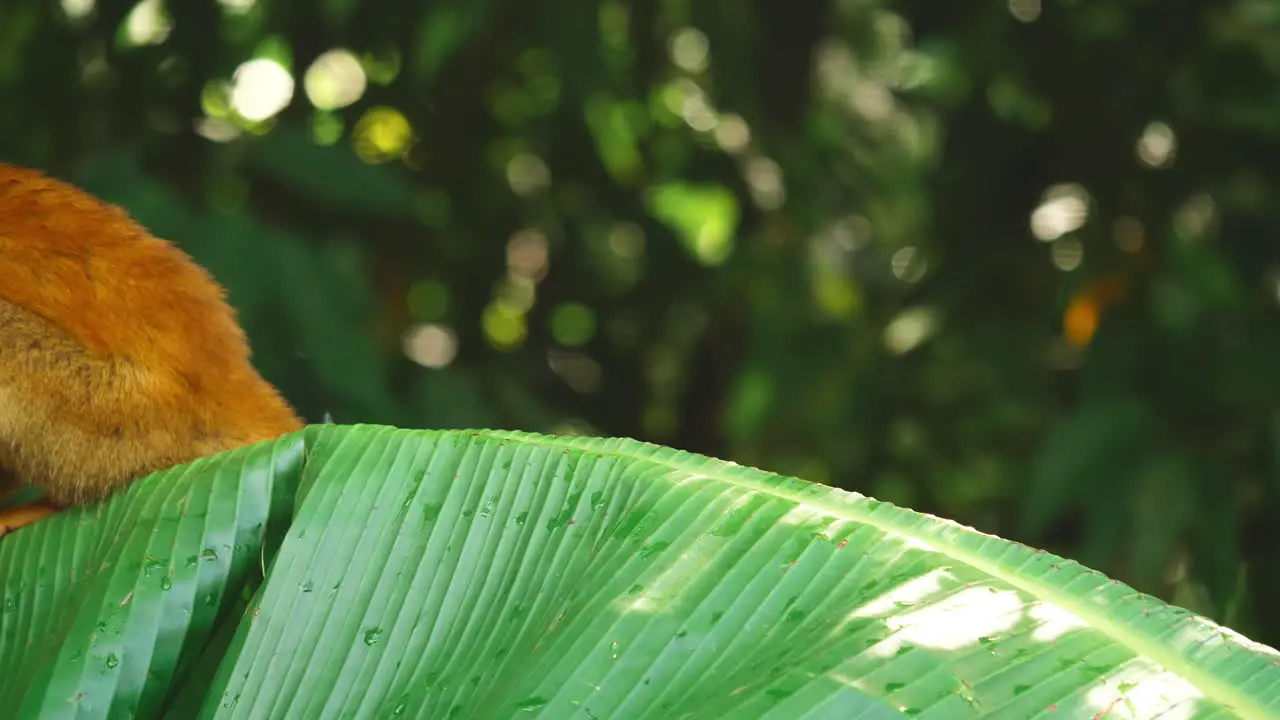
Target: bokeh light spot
(689,50)
(383,65)
(626,240)
(1157,146)
(573,324)
(836,295)
(428,300)
(433,346)
(335,80)
(1080,322)
(326,128)
(78,9)
(517,292)
(215,99)
(504,326)
(1025,10)
(732,134)
(1195,217)
(528,255)
(764,180)
(908,264)
(909,329)
(260,89)
(1067,254)
(382,134)
(687,100)
(148,23)
(1063,209)
(527,174)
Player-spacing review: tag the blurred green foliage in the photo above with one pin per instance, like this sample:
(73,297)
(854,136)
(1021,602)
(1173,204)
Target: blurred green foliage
(1009,263)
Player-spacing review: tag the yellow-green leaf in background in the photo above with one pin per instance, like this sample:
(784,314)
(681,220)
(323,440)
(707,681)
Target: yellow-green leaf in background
(705,217)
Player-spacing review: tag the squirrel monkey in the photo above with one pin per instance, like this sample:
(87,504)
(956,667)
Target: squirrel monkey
(118,354)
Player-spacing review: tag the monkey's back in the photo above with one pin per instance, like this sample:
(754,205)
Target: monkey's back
(118,354)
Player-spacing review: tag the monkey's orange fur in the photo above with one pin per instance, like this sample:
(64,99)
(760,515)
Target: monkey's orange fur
(118,354)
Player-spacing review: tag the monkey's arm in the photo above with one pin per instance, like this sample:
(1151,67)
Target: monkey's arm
(20,516)
(17,516)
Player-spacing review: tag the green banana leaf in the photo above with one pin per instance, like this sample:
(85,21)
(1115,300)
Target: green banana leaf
(373,572)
